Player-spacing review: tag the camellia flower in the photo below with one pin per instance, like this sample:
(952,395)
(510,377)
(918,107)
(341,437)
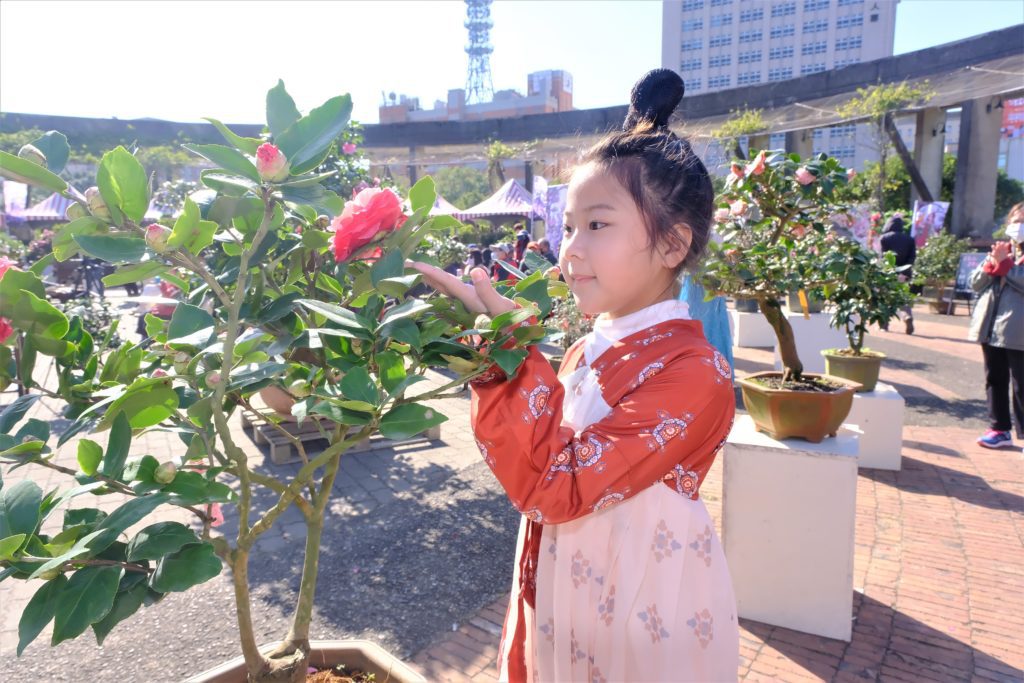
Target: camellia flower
(738,207)
(372,212)
(799,230)
(5,330)
(804,176)
(5,264)
(156,237)
(851,174)
(271,164)
(737,171)
(722,215)
(756,167)
(349,148)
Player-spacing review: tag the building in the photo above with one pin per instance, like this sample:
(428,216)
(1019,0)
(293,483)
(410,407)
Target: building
(721,44)
(547,92)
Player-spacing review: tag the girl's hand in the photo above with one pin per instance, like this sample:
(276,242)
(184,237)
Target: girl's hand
(479,297)
(1000,251)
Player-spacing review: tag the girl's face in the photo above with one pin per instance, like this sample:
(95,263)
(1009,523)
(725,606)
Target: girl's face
(605,256)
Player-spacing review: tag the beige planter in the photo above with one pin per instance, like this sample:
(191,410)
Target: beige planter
(278,400)
(355,654)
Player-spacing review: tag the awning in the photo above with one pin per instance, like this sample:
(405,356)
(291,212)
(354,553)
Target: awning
(511,201)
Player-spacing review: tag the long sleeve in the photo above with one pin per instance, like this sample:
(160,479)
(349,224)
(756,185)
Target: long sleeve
(667,428)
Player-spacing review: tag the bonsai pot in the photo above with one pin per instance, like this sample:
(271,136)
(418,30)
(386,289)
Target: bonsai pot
(354,654)
(278,400)
(747,305)
(814,304)
(863,368)
(938,298)
(785,413)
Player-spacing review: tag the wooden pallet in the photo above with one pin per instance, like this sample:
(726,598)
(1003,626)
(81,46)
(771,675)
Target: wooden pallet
(283,452)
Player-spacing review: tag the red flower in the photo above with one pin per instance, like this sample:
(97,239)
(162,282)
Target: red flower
(271,163)
(756,167)
(5,264)
(5,330)
(372,212)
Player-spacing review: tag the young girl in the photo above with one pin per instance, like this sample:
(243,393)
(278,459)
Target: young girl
(619,573)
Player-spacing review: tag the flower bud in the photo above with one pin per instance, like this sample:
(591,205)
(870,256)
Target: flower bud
(349,148)
(553,273)
(722,215)
(156,237)
(159,373)
(271,163)
(851,173)
(32,153)
(804,176)
(213,380)
(75,211)
(299,388)
(97,206)
(737,171)
(482,322)
(181,357)
(323,222)
(165,473)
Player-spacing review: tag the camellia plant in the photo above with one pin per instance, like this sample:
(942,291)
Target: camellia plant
(283,284)
(774,221)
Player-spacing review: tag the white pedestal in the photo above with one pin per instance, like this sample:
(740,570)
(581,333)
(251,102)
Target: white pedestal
(751,330)
(788,519)
(879,415)
(813,335)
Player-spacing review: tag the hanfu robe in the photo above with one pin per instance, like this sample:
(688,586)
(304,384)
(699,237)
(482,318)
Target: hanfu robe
(619,575)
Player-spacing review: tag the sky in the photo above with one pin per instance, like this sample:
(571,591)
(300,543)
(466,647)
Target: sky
(183,60)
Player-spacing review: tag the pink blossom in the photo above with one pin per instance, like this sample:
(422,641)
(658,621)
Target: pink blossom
(737,172)
(271,163)
(756,167)
(349,148)
(5,264)
(159,373)
(804,176)
(738,207)
(722,215)
(156,237)
(799,231)
(5,330)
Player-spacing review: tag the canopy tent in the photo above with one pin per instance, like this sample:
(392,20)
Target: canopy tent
(51,209)
(510,202)
(443,207)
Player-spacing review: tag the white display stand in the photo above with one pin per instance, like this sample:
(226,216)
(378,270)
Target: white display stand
(751,330)
(879,415)
(813,335)
(788,519)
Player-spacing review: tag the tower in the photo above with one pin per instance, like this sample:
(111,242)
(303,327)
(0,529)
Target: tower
(478,80)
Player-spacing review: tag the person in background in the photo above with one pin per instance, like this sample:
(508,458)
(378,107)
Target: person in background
(545,251)
(998,325)
(475,259)
(896,239)
(523,264)
(522,239)
(501,252)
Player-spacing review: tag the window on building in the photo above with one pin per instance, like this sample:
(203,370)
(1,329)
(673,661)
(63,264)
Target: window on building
(691,25)
(844,131)
(784,52)
(818,48)
(840,63)
(849,3)
(693,85)
(721,40)
(720,60)
(750,36)
(720,3)
(874,18)
(783,31)
(691,65)
(719,81)
(690,5)
(748,77)
(780,73)
(750,57)
(751,15)
(721,20)
(816,26)
(812,68)
(850,20)
(816,5)
(784,9)
(692,44)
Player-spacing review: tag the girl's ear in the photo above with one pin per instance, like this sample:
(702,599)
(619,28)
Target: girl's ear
(673,253)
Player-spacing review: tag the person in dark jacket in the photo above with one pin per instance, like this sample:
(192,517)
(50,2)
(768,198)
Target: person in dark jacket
(896,239)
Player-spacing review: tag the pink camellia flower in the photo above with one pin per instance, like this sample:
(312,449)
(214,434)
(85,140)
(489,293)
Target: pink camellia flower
(271,164)
(799,231)
(373,211)
(803,176)
(737,171)
(349,148)
(722,215)
(5,265)
(851,173)
(156,237)
(159,373)
(756,167)
(738,207)
(5,330)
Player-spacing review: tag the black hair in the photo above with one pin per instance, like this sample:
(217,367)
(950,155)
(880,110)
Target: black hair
(476,257)
(660,170)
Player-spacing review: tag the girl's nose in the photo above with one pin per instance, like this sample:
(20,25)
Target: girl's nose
(571,247)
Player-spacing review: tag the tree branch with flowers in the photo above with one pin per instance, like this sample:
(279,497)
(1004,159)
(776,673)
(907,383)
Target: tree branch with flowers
(284,284)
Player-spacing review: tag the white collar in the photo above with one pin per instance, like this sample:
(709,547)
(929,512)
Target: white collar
(608,331)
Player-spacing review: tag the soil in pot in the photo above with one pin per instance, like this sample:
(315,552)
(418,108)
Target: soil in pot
(811,384)
(810,409)
(340,675)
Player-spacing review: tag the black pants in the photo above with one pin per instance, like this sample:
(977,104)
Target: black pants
(1002,365)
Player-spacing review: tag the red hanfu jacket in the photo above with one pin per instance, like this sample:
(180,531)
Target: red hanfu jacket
(672,405)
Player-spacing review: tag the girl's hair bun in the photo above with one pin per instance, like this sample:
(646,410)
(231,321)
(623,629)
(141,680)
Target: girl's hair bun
(653,99)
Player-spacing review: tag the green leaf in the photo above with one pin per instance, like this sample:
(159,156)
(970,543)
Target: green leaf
(25,171)
(509,360)
(244,377)
(187,320)
(55,148)
(190,231)
(408,420)
(126,603)
(13,413)
(423,194)
(357,385)
(64,244)
(345,416)
(409,309)
(19,508)
(336,314)
(87,598)
(10,545)
(402,330)
(190,566)
(391,265)
(117,447)
(39,611)
(228,159)
(58,348)
(32,314)
(123,183)
(157,540)
(247,145)
(281,110)
(90,454)
(397,286)
(135,273)
(144,405)
(225,183)
(112,248)
(306,142)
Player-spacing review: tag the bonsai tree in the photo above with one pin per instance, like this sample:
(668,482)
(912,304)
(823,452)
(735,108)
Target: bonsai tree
(938,260)
(773,218)
(281,280)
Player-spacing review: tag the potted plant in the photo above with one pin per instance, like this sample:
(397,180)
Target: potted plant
(278,275)
(869,292)
(774,218)
(935,269)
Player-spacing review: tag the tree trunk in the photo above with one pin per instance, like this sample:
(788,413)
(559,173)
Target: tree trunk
(772,310)
(908,161)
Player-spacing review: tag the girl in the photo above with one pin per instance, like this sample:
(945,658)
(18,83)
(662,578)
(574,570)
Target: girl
(619,573)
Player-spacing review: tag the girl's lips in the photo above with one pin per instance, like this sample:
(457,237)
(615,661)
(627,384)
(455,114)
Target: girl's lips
(582,278)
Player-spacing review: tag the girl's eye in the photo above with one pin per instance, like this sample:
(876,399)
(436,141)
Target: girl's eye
(597,225)
(568,229)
